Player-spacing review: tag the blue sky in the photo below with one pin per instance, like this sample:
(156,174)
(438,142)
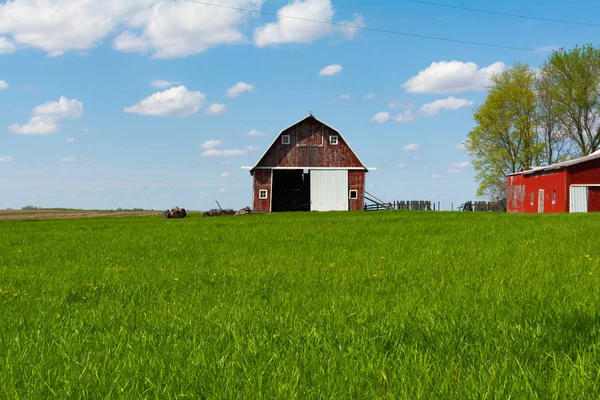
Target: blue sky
(151,104)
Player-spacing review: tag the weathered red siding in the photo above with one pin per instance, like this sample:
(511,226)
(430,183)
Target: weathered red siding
(585,174)
(309,148)
(356,181)
(262,180)
(522,186)
(515,194)
(523,192)
(594,199)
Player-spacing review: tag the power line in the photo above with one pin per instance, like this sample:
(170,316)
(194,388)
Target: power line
(559,21)
(498,46)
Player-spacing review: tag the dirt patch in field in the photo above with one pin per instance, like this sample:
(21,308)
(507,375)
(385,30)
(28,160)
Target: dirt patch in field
(65,214)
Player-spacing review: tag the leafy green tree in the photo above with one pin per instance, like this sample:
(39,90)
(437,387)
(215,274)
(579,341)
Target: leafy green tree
(505,139)
(553,135)
(573,78)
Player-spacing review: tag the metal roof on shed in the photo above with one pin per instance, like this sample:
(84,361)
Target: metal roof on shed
(560,165)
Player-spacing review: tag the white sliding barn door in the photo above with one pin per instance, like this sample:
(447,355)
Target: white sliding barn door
(578,199)
(329,190)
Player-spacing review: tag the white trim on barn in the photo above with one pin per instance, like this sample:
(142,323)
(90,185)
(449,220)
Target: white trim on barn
(313,168)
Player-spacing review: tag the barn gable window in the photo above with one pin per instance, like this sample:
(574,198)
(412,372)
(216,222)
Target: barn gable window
(285,139)
(333,139)
(262,194)
(353,194)
(554,197)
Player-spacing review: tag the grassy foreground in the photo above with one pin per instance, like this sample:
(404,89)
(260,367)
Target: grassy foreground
(336,305)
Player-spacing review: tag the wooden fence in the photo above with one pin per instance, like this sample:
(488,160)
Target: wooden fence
(497,206)
(424,205)
(411,205)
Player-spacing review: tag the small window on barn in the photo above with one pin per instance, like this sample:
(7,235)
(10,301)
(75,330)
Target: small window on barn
(353,194)
(554,197)
(532,198)
(333,139)
(285,139)
(262,194)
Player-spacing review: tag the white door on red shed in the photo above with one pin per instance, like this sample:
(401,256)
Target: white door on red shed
(578,199)
(329,190)
(541,201)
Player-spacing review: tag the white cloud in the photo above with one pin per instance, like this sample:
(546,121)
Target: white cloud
(86,130)
(460,146)
(345,96)
(40,125)
(63,108)
(162,28)
(225,162)
(239,88)
(381,117)
(3,85)
(253,148)
(454,171)
(6,159)
(225,174)
(464,164)
(402,165)
(452,77)
(222,190)
(427,166)
(162,84)
(6,46)
(331,70)
(224,153)
(450,103)
(46,117)
(436,176)
(405,116)
(170,29)
(216,109)
(57,26)
(411,147)
(71,140)
(67,159)
(255,132)
(296,29)
(397,104)
(166,28)
(211,144)
(369,96)
(174,102)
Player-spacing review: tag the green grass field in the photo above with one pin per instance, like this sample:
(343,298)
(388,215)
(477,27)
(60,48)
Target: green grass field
(337,305)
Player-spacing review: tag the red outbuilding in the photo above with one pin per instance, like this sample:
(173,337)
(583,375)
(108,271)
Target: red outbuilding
(569,186)
(309,167)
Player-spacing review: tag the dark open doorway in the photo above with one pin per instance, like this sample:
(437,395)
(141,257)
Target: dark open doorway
(291,190)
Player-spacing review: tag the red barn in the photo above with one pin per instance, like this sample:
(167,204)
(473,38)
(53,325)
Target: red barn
(309,166)
(569,186)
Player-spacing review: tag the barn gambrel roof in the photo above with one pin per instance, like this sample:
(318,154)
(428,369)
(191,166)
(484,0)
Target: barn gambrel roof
(296,123)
